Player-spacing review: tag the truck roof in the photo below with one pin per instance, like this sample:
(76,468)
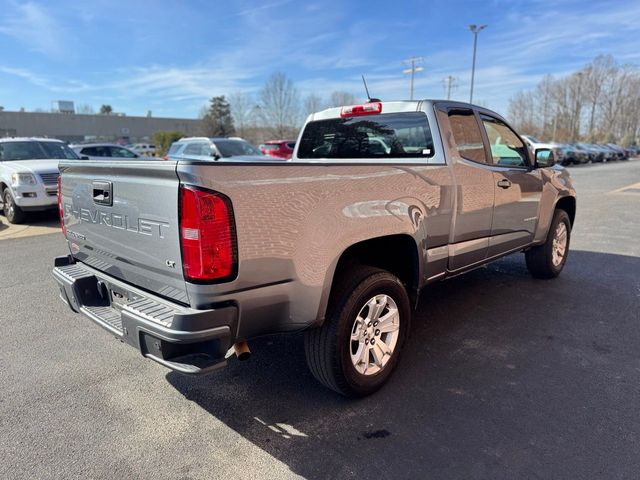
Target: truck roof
(398,106)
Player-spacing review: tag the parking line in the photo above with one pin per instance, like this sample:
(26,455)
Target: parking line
(633,189)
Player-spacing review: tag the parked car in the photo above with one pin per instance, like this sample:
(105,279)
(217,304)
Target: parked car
(608,154)
(620,152)
(278,148)
(567,154)
(563,154)
(632,151)
(585,151)
(29,175)
(210,149)
(596,154)
(339,243)
(99,151)
(147,149)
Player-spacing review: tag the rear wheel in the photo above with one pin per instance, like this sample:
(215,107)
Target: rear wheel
(12,211)
(548,259)
(358,346)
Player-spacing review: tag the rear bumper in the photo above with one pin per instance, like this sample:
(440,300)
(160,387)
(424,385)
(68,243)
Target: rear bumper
(183,339)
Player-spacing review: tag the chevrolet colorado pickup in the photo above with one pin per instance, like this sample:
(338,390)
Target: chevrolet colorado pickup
(185,259)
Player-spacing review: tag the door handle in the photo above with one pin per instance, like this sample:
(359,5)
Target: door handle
(504,183)
(102,193)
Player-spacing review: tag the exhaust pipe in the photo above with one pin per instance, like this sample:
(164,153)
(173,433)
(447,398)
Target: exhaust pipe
(241,350)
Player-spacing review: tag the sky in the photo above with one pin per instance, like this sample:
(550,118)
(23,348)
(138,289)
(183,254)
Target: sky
(170,57)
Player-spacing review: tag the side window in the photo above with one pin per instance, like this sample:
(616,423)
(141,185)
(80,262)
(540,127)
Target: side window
(121,152)
(467,136)
(90,151)
(192,149)
(205,149)
(507,149)
(103,152)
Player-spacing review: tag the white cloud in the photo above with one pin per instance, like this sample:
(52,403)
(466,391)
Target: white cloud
(34,26)
(65,86)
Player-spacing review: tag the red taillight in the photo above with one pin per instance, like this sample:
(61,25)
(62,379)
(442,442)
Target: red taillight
(60,207)
(357,110)
(207,235)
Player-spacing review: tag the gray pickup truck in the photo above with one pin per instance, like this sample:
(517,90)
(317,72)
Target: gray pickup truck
(187,260)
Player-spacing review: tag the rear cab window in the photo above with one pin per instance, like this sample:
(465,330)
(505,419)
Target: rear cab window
(386,136)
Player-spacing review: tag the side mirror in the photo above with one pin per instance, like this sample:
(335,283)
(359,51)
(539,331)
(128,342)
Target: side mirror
(544,158)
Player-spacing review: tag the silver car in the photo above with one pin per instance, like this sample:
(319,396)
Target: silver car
(209,149)
(100,151)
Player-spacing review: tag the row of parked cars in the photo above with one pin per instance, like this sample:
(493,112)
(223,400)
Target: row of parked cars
(29,166)
(580,153)
(197,147)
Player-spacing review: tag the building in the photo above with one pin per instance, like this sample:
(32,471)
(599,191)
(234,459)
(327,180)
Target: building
(73,127)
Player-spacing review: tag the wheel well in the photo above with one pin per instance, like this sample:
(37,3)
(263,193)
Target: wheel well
(397,254)
(568,204)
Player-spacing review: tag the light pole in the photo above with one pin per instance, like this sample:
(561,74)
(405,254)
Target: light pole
(413,70)
(475,29)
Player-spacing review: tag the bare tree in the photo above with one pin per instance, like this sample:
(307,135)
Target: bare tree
(596,74)
(521,108)
(243,111)
(600,103)
(280,105)
(338,99)
(312,103)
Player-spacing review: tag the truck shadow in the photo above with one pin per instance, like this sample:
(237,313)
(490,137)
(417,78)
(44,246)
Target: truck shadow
(503,376)
(47,218)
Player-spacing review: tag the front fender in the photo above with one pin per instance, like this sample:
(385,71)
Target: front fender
(557,185)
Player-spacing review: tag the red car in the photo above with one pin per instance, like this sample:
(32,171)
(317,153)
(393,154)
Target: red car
(278,148)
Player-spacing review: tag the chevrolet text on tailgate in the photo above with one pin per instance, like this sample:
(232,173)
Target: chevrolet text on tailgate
(187,260)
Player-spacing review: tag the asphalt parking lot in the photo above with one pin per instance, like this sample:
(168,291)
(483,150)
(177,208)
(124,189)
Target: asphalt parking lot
(503,377)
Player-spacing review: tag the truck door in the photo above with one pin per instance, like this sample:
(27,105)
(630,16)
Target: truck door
(470,231)
(518,188)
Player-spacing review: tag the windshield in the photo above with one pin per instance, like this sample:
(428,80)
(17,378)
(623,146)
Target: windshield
(391,135)
(33,150)
(232,148)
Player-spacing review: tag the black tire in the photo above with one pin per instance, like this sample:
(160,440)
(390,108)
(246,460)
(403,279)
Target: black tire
(12,211)
(328,348)
(540,259)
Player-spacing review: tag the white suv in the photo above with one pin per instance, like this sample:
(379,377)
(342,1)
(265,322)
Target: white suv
(29,175)
(144,149)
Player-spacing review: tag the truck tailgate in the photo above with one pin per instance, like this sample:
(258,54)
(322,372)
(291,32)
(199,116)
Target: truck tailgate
(122,219)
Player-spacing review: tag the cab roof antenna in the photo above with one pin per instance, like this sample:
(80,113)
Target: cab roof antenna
(369,99)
